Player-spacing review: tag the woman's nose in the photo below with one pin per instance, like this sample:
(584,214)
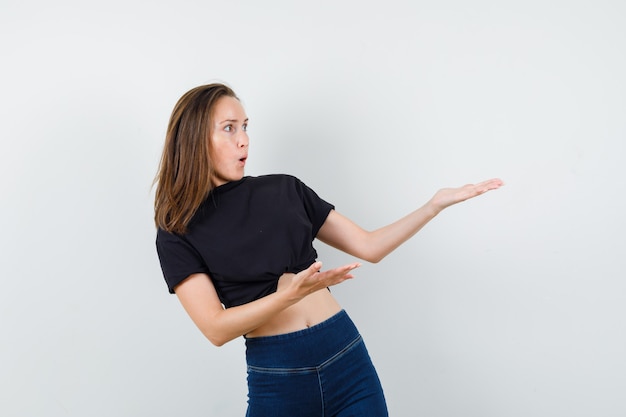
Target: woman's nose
(243,140)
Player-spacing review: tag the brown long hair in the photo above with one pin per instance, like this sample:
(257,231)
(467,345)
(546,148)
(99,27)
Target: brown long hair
(185,171)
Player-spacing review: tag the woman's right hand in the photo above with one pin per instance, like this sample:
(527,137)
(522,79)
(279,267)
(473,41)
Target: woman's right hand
(312,279)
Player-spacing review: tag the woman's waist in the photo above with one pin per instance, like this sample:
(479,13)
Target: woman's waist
(308,312)
(308,347)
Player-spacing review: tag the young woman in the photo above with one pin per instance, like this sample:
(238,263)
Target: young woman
(237,251)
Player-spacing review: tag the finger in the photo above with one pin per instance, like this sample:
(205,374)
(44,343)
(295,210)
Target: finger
(496,182)
(349,267)
(339,274)
(491,184)
(315,266)
(313,269)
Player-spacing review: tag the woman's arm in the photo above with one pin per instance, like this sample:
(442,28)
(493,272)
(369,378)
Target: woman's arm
(199,298)
(340,232)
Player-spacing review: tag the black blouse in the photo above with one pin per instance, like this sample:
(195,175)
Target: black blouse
(245,235)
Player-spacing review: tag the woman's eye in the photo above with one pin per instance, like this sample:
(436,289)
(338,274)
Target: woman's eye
(245,127)
(228,128)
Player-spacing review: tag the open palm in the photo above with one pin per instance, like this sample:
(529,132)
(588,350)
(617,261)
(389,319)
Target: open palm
(449,196)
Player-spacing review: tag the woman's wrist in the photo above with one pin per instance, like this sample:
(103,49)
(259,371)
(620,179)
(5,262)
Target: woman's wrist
(432,209)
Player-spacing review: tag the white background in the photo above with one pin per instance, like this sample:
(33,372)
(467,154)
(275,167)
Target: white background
(512,304)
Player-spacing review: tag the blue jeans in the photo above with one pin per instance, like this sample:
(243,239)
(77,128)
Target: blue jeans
(322,371)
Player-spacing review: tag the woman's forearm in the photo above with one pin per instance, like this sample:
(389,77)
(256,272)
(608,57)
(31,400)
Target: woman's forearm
(199,298)
(230,323)
(381,242)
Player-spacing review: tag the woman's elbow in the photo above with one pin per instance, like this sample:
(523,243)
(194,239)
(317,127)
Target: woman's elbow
(216,337)
(375,259)
(216,340)
(370,250)
(373,256)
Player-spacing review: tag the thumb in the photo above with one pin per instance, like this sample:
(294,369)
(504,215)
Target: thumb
(316,266)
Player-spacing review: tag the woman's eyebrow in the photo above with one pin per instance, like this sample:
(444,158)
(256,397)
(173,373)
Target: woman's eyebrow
(233,120)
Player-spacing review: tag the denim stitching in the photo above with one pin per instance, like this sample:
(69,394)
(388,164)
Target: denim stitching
(282,371)
(319,380)
(341,352)
(309,369)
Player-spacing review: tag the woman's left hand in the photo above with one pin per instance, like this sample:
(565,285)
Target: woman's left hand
(449,196)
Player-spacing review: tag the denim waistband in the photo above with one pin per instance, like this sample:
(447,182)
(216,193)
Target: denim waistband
(303,348)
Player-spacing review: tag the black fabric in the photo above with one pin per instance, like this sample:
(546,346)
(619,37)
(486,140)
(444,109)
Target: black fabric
(245,236)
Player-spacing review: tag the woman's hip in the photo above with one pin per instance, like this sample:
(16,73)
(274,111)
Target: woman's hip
(324,370)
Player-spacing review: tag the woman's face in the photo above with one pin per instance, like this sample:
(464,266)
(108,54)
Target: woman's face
(229,140)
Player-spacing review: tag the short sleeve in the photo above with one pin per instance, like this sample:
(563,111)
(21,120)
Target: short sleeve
(317,208)
(178,259)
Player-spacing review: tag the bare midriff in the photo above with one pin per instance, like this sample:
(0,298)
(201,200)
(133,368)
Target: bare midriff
(311,310)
